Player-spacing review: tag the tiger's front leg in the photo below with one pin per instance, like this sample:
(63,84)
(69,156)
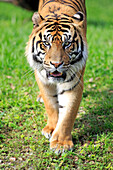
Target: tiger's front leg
(51,105)
(69,103)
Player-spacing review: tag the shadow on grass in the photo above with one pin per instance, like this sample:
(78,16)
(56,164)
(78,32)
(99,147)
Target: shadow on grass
(98,120)
(4,131)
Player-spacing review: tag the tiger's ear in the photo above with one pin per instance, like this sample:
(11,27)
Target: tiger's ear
(78,18)
(36,18)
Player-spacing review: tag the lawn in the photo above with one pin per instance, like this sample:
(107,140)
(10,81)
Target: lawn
(21,118)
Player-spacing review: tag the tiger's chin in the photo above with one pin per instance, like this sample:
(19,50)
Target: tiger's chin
(56,76)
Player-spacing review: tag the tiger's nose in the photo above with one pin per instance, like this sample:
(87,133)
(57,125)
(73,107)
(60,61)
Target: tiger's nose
(56,64)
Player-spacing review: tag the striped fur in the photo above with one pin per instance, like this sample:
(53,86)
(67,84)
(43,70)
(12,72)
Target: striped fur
(57,51)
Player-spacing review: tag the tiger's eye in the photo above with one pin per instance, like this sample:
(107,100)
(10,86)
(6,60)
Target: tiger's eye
(46,43)
(67,43)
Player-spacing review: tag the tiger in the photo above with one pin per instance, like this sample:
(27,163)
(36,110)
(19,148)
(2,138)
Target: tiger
(57,52)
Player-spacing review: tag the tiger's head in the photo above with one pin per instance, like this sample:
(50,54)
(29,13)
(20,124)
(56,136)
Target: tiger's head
(57,46)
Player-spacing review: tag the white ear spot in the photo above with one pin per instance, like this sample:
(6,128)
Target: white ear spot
(79,16)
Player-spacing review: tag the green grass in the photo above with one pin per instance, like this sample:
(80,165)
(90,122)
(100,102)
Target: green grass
(21,144)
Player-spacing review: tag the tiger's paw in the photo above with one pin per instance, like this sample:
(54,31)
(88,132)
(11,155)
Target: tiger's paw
(47,131)
(39,98)
(61,146)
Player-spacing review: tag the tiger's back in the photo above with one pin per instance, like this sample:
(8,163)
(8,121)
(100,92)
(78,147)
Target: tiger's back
(77,5)
(57,51)
(68,7)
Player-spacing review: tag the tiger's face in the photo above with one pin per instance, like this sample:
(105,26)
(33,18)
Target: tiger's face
(57,47)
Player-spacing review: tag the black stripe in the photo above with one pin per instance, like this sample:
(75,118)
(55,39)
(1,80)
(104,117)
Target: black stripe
(51,19)
(77,59)
(37,43)
(48,2)
(65,21)
(55,95)
(53,27)
(55,36)
(33,44)
(66,15)
(65,26)
(82,44)
(79,7)
(41,47)
(66,35)
(63,30)
(51,30)
(46,17)
(48,35)
(40,53)
(75,34)
(61,107)
(45,37)
(69,37)
(63,91)
(73,48)
(72,77)
(36,59)
(71,6)
(40,35)
(63,18)
(76,43)
(48,26)
(68,4)
(59,28)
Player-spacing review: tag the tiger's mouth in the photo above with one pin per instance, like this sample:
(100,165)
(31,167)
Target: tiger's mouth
(56,74)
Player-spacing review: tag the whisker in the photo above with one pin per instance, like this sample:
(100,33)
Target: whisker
(70,73)
(84,59)
(73,69)
(80,83)
(78,78)
(40,69)
(34,84)
(26,73)
(31,73)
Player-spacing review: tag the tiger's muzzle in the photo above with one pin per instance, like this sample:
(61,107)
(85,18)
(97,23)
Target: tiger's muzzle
(55,71)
